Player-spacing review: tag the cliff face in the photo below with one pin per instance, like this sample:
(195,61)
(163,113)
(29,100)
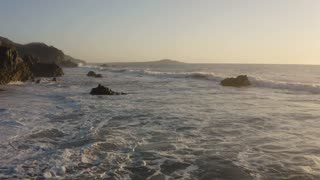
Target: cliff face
(46,54)
(15,68)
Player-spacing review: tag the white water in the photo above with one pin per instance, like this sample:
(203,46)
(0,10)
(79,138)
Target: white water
(176,122)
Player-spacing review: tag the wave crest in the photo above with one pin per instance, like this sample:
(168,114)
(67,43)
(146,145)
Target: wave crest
(210,76)
(294,86)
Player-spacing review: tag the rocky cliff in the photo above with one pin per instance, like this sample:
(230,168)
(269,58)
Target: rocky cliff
(15,68)
(45,53)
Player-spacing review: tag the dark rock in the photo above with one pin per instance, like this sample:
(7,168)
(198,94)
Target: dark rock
(46,70)
(91,73)
(42,69)
(38,81)
(68,64)
(31,60)
(101,90)
(54,79)
(98,76)
(12,66)
(239,81)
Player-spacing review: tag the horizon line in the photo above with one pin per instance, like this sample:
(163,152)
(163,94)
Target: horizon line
(182,62)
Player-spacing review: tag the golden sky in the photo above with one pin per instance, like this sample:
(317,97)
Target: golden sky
(197,31)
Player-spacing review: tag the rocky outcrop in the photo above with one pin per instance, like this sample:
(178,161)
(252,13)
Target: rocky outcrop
(45,53)
(239,81)
(31,60)
(93,74)
(46,70)
(13,67)
(101,90)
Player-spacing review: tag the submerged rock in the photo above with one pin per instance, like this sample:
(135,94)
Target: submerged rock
(13,67)
(239,81)
(46,70)
(101,90)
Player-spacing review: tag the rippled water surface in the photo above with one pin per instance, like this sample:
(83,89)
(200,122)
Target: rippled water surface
(176,122)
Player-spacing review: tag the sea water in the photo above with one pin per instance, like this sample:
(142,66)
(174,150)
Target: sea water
(176,122)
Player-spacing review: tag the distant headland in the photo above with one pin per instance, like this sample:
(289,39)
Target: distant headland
(158,62)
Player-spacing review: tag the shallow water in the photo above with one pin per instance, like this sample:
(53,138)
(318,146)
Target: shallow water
(176,122)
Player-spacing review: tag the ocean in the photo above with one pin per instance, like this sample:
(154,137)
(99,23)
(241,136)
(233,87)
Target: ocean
(176,122)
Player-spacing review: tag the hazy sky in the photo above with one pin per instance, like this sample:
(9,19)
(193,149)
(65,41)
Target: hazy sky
(208,31)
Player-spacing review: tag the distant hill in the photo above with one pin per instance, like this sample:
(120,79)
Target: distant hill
(46,54)
(166,61)
(159,62)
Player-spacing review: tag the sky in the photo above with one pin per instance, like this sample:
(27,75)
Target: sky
(196,31)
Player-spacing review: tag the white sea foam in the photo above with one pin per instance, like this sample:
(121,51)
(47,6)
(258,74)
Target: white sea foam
(16,83)
(293,86)
(174,125)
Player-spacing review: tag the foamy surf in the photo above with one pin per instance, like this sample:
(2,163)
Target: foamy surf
(211,76)
(173,124)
